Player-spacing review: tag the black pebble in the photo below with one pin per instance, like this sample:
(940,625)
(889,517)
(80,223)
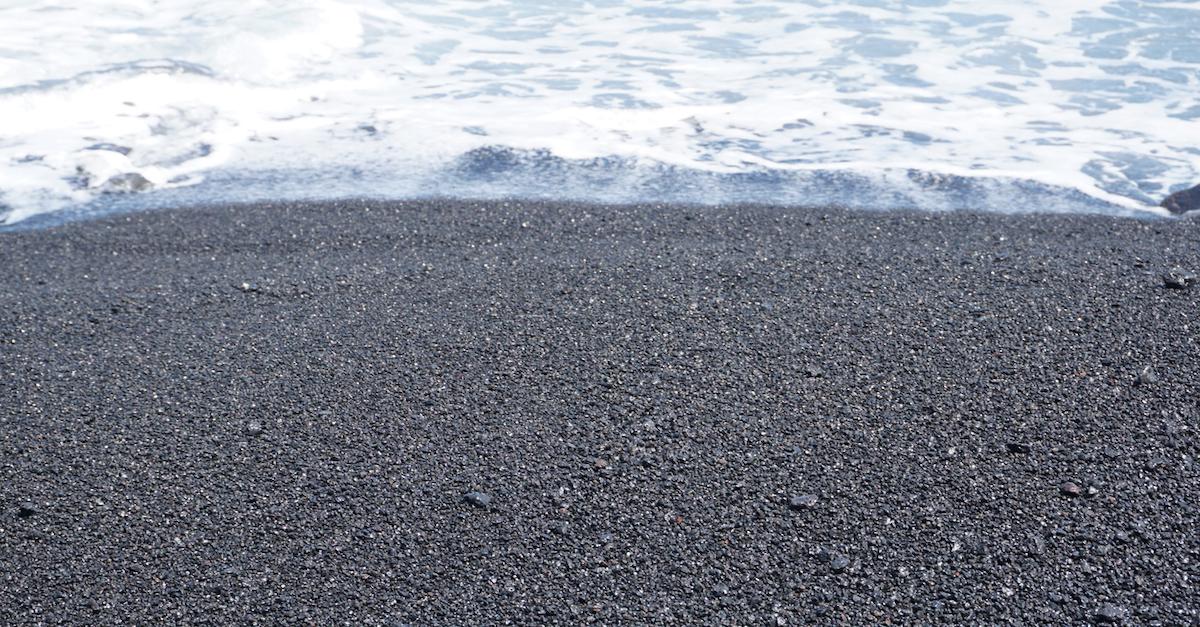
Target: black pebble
(26,509)
(1146,376)
(1070,488)
(802,501)
(559,527)
(1018,447)
(478,499)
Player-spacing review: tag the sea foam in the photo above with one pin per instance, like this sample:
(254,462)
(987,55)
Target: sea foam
(1070,105)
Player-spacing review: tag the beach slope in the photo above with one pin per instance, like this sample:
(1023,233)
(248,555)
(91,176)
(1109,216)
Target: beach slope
(746,415)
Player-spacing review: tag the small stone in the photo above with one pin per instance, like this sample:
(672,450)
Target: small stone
(1091,491)
(813,371)
(1122,537)
(26,509)
(559,527)
(1018,448)
(803,501)
(478,499)
(1037,545)
(249,288)
(839,563)
(1109,614)
(606,537)
(1146,376)
(1178,279)
(1070,488)
(254,428)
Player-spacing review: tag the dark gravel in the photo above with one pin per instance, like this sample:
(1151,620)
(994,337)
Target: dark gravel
(273,413)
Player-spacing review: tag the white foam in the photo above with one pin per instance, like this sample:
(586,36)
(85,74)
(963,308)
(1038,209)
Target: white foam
(1086,95)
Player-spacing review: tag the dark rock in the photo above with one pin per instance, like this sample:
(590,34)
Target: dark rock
(1178,279)
(559,527)
(1091,491)
(26,509)
(813,371)
(249,288)
(254,428)
(478,499)
(802,501)
(839,563)
(127,183)
(1070,488)
(1109,614)
(1146,376)
(1122,537)
(606,537)
(1182,201)
(1018,448)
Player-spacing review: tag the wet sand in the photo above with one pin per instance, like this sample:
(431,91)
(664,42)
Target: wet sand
(741,415)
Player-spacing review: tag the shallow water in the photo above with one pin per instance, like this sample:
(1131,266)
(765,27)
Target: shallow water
(1064,105)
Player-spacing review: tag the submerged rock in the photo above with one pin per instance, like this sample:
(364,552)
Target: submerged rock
(127,182)
(1183,201)
(124,150)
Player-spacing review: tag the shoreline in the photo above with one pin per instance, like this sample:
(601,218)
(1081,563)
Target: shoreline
(274,411)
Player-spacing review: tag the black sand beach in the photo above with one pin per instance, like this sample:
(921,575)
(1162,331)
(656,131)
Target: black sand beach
(273,413)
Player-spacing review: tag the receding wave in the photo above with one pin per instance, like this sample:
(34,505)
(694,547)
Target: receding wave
(1072,105)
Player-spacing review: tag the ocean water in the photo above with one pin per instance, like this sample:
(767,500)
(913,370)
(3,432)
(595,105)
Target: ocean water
(1022,105)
